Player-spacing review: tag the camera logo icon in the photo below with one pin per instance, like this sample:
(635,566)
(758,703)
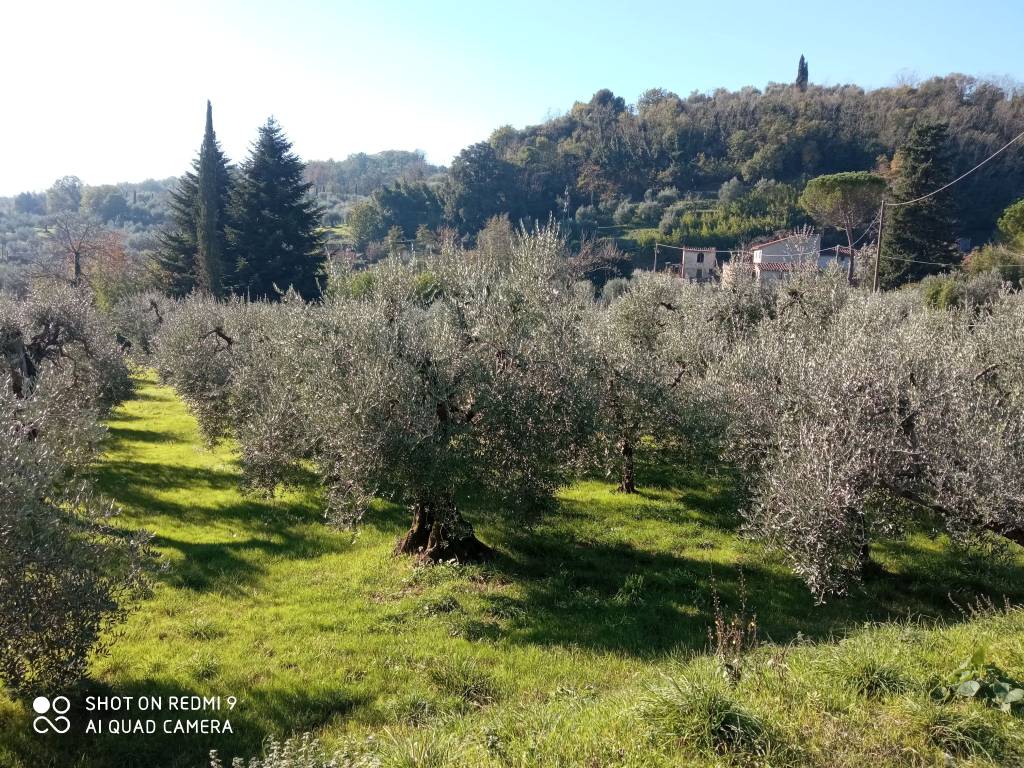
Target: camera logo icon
(59,706)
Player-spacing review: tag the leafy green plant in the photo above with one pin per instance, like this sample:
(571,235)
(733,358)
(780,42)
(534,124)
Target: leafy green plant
(978,680)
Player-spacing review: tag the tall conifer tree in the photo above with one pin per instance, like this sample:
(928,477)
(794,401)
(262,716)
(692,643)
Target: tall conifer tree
(213,188)
(192,254)
(923,231)
(274,233)
(802,74)
(176,257)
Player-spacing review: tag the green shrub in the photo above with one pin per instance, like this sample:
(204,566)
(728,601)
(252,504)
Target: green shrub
(361,284)
(940,292)
(426,288)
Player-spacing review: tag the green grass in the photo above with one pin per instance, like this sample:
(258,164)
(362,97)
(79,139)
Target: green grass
(582,643)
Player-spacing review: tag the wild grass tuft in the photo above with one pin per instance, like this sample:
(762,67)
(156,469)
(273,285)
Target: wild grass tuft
(465,678)
(965,732)
(699,709)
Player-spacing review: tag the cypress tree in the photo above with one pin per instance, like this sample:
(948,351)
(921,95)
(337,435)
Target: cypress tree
(193,245)
(213,182)
(801,74)
(923,231)
(274,233)
(176,256)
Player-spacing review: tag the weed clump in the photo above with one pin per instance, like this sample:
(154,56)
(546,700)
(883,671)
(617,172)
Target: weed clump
(466,679)
(702,712)
(966,733)
(303,751)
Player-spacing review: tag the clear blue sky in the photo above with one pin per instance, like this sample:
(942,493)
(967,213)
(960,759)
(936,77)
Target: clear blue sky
(115,90)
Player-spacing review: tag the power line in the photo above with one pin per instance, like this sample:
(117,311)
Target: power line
(695,248)
(866,231)
(949,264)
(920,261)
(960,177)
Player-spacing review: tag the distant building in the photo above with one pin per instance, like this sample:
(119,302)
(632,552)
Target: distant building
(776,260)
(697,264)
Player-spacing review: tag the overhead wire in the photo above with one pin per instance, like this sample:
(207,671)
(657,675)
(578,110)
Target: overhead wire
(959,178)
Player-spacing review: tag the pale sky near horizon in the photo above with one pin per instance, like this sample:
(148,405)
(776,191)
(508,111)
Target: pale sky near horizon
(115,90)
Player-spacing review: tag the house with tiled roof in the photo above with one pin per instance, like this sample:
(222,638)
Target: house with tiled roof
(776,260)
(696,264)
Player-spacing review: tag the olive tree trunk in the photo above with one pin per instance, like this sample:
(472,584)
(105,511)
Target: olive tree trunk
(440,533)
(627,484)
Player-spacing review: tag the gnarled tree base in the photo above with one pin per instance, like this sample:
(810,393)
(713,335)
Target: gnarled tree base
(439,533)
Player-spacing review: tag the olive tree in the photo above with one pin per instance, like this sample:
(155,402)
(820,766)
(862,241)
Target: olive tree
(192,352)
(629,351)
(66,573)
(651,343)
(479,381)
(59,326)
(137,319)
(854,414)
(467,371)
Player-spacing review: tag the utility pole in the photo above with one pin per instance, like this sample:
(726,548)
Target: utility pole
(878,247)
(655,257)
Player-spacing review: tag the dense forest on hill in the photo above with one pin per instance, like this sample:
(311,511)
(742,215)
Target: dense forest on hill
(134,213)
(603,151)
(720,168)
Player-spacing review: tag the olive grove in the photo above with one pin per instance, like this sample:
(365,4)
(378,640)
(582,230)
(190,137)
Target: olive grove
(67,573)
(468,372)
(856,415)
(849,416)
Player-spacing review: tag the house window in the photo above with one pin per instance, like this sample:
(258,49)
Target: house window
(700,273)
(700,258)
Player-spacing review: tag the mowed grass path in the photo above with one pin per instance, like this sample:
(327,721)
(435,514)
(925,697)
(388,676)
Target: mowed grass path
(312,628)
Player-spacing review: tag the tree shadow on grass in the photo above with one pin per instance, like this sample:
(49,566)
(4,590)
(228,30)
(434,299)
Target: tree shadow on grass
(230,566)
(617,597)
(141,394)
(610,595)
(261,528)
(136,485)
(117,436)
(119,415)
